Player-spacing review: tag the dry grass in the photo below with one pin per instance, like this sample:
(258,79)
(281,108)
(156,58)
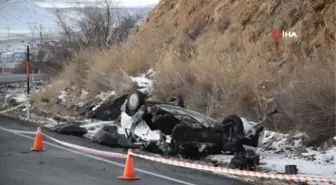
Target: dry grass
(309,102)
(218,84)
(101,70)
(212,83)
(110,68)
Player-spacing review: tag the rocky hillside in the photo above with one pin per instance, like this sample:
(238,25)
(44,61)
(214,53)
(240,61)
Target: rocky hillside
(246,27)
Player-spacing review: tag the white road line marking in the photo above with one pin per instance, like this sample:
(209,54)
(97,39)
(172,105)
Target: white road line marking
(102,159)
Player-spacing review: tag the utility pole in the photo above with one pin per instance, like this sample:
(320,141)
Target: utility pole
(28,71)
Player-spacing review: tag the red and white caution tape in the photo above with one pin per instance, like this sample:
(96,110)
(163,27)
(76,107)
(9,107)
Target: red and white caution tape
(296,178)
(20,131)
(174,162)
(12,108)
(77,147)
(89,150)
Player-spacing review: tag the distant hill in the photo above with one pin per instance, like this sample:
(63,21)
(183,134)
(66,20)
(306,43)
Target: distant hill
(23,15)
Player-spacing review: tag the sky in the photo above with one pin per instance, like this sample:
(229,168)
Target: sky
(138,2)
(124,3)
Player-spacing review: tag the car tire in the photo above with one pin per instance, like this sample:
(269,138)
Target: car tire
(233,126)
(234,122)
(134,101)
(176,100)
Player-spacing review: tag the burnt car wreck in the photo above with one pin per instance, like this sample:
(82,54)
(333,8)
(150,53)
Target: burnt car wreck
(192,134)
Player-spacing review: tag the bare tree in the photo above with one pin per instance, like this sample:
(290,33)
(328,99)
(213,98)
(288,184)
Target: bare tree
(123,30)
(96,26)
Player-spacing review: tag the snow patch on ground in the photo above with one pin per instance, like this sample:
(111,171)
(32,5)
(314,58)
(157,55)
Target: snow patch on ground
(277,162)
(280,149)
(83,94)
(282,143)
(103,96)
(17,94)
(328,156)
(144,81)
(10,96)
(63,96)
(19,98)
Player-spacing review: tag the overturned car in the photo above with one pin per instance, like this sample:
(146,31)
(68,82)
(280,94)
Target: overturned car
(192,134)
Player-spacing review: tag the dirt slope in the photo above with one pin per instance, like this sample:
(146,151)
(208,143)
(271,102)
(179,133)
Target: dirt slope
(246,26)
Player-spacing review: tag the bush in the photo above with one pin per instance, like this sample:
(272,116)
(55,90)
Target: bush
(309,103)
(98,70)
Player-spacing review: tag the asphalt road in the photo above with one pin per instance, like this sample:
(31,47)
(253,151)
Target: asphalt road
(59,165)
(14,78)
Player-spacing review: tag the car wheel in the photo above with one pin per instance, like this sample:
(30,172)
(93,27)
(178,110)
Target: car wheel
(234,130)
(176,100)
(134,101)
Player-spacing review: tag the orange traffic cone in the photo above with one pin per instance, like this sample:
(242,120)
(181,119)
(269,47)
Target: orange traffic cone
(129,173)
(38,143)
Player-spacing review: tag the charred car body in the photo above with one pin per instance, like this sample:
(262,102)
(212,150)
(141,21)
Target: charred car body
(194,135)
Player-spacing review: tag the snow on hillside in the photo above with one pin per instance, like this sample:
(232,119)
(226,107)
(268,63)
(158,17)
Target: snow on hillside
(23,17)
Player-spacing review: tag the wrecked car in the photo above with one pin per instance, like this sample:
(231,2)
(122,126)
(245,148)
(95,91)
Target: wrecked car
(193,135)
